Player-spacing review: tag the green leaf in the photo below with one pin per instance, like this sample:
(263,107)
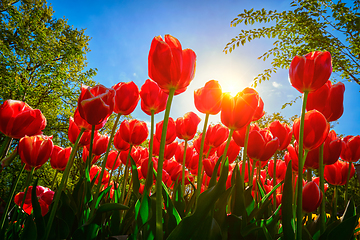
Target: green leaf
(29,232)
(213,178)
(287,213)
(189,226)
(345,230)
(111,207)
(39,220)
(135,177)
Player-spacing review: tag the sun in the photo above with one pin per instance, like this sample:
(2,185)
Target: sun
(231,87)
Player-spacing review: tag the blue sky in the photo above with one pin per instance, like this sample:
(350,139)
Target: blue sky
(121,33)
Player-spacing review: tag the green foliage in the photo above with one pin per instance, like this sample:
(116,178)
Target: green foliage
(308,26)
(42,61)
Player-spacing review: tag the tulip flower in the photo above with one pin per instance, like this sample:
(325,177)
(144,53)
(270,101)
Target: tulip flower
(43,194)
(208,99)
(328,100)
(350,148)
(99,144)
(310,72)
(169,65)
(169,150)
(134,131)
(259,112)
(186,126)
(292,154)
(96,170)
(60,157)
(113,159)
(280,169)
(237,112)
(283,132)
(179,153)
(262,145)
(126,97)
(74,132)
(135,154)
(336,174)
(153,98)
(35,150)
(209,165)
(170,131)
(311,197)
(96,104)
(316,129)
(196,144)
(85,155)
(19,119)
(119,143)
(239,135)
(81,123)
(232,152)
(216,135)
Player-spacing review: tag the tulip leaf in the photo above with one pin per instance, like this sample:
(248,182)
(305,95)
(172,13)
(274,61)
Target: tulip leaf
(101,195)
(287,213)
(350,210)
(135,177)
(220,210)
(179,201)
(87,232)
(234,225)
(269,194)
(29,232)
(214,174)
(149,178)
(238,198)
(39,220)
(111,207)
(190,225)
(143,213)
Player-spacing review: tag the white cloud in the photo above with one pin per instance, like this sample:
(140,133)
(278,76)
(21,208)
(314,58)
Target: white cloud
(276,85)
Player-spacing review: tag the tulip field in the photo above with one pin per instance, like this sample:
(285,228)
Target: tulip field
(182,180)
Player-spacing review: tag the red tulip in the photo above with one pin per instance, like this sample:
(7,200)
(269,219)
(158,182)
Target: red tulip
(280,169)
(170,66)
(293,154)
(43,194)
(19,119)
(193,163)
(237,112)
(239,135)
(74,131)
(336,174)
(197,143)
(144,166)
(112,158)
(153,98)
(179,153)
(332,150)
(209,165)
(170,131)
(232,152)
(60,157)
(135,154)
(96,170)
(316,129)
(96,104)
(100,144)
(259,112)
(83,124)
(216,135)
(186,126)
(283,132)
(328,100)
(311,197)
(169,151)
(208,98)
(317,181)
(35,150)
(262,145)
(119,143)
(85,156)
(350,148)
(310,72)
(126,97)
(134,131)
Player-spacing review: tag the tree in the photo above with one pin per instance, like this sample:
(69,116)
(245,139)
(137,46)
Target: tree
(310,25)
(42,61)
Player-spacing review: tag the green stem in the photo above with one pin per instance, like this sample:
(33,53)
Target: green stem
(5,147)
(299,213)
(62,185)
(347,183)
(158,186)
(199,175)
(183,168)
(27,184)
(112,169)
(89,159)
(9,201)
(244,157)
(118,176)
(227,146)
(274,180)
(334,214)
(322,189)
(309,175)
(151,143)
(126,176)
(54,180)
(97,190)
